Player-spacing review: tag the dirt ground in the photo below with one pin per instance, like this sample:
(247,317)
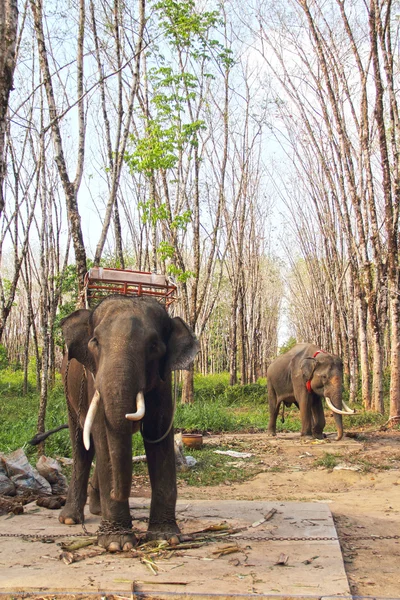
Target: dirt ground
(363,492)
(358,477)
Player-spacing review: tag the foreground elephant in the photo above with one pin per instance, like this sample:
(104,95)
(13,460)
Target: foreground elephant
(304,375)
(117,379)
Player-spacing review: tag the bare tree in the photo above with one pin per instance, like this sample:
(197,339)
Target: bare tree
(70,186)
(8,38)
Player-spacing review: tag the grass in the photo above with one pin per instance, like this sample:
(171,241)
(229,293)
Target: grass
(218,408)
(328,460)
(210,468)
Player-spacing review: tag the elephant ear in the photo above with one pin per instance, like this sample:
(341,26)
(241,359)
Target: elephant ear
(307,366)
(77,332)
(182,346)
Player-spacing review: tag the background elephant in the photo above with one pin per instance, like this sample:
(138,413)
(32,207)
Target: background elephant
(304,375)
(117,379)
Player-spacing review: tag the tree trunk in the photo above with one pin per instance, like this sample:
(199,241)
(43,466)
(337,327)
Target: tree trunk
(377,373)
(188,386)
(243,338)
(395,358)
(233,344)
(8,36)
(70,187)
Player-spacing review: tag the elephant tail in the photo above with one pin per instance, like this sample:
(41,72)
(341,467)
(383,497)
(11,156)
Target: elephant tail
(283,413)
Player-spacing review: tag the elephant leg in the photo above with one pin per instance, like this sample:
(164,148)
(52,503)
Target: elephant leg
(72,513)
(161,466)
(115,531)
(305,415)
(318,418)
(273,410)
(94,494)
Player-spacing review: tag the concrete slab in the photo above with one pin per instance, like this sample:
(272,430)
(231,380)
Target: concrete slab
(314,568)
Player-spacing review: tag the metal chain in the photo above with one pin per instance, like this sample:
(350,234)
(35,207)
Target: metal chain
(108,528)
(312,539)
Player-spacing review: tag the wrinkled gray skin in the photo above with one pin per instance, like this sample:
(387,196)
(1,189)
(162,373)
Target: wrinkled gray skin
(287,376)
(126,345)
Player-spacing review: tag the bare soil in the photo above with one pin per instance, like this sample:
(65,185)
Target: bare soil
(363,492)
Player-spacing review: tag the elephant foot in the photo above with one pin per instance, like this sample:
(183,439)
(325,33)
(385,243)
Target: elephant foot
(271,433)
(319,436)
(116,537)
(69,516)
(94,501)
(162,531)
(117,543)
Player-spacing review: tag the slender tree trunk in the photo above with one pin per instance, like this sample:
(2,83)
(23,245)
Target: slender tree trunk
(8,37)
(70,187)
(187,385)
(233,343)
(243,338)
(395,358)
(26,354)
(377,373)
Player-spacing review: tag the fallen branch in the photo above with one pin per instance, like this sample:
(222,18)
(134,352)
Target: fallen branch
(79,543)
(40,437)
(270,514)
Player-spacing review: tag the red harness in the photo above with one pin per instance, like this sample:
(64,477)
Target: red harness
(308,384)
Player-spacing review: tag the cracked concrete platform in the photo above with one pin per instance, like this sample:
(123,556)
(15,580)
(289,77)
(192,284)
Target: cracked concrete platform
(313,568)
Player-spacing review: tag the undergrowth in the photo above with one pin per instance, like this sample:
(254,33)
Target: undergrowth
(218,407)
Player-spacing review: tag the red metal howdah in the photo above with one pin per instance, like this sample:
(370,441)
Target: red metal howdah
(101,282)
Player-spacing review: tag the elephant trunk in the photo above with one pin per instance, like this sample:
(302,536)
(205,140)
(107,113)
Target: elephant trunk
(119,417)
(120,447)
(339,426)
(336,408)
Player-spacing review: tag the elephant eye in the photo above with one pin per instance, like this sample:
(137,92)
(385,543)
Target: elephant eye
(94,342)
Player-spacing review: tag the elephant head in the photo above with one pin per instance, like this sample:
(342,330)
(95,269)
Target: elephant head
(323,374)
(130,346)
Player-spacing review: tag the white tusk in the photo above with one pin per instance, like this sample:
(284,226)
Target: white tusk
(336,410)
(140,409)
(350,411)
(91,413)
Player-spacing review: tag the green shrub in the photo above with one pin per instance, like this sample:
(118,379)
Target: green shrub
(328,460)
(3,357)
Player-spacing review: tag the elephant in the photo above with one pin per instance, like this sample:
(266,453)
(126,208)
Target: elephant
(303,376)
(117,380)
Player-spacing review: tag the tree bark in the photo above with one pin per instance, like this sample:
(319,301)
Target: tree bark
(8,37)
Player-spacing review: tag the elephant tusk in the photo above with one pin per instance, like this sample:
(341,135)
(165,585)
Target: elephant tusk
(140,409)
(91,413)
(349,411)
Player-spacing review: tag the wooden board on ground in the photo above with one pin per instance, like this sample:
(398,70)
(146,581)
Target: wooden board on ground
(247,564)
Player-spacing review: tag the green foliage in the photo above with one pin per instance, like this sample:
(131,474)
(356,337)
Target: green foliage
(214,469)
(166,250)
(328,460)
(18,415)
(179,274)
(364,418)
(171,125)
(218,407)
(3,357)
(287,345)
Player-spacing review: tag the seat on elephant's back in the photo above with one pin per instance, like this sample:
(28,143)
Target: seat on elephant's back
(101,282)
